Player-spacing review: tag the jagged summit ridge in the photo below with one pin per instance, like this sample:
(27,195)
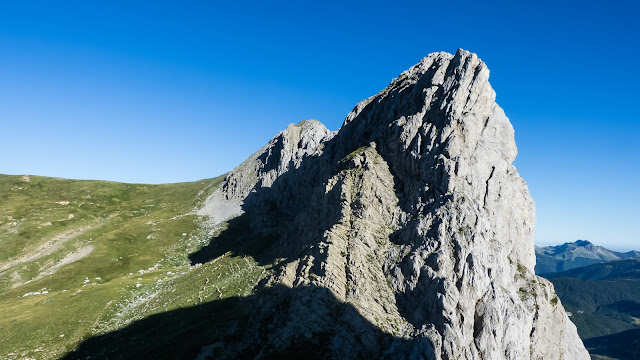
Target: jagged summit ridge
(407,234)
(285,150)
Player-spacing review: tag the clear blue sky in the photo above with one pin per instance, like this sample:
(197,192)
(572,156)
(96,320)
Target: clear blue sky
(163,91)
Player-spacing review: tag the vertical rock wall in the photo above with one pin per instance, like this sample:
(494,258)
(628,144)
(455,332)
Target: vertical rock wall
(408,234)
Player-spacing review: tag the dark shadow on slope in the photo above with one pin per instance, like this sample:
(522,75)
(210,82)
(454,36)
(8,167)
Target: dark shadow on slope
(623,345)
(288,220)
(176,334)
(267,229)
(243,328)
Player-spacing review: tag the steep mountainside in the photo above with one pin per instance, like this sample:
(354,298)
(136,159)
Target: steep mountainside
(407,234)
(573,255)
(604,301)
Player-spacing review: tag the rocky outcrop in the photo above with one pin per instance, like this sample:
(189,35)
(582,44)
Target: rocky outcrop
(408,234)
(286,150)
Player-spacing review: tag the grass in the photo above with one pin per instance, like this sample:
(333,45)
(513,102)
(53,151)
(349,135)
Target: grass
(138,238)
(356,152)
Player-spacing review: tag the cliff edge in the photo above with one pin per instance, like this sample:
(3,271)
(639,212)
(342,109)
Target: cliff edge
(406,234)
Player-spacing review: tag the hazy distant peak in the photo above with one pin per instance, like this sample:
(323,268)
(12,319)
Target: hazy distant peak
(575,254)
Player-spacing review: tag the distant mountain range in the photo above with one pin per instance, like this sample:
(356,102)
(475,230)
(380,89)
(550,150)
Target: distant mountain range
(610,270)
(573,255)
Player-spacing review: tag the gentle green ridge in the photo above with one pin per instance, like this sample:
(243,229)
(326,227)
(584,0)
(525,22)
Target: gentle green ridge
(82,258)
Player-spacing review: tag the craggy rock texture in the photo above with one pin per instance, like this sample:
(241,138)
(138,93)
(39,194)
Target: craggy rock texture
(286,150)
(408,234)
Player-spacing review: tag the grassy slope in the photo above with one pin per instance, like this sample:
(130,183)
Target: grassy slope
(122,256)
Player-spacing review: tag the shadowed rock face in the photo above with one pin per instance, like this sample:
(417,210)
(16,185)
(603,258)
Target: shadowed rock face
(414,215)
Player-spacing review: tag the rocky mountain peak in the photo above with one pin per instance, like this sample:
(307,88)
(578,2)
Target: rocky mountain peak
(575,254)
(582,243)
(406,234)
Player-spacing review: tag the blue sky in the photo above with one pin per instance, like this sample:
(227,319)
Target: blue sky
(164,91)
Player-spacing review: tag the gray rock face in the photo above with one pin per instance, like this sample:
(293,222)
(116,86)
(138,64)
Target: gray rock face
(286,150)
(408,234)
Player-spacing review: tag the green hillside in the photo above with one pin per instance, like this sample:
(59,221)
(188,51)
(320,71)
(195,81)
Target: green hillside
(604,302)
(83,258)
(610,270)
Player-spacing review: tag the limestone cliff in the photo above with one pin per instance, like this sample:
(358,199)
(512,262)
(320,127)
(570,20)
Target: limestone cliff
(407,234)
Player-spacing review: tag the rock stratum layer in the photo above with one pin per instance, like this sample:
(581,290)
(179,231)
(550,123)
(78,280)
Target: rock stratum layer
(406,234)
